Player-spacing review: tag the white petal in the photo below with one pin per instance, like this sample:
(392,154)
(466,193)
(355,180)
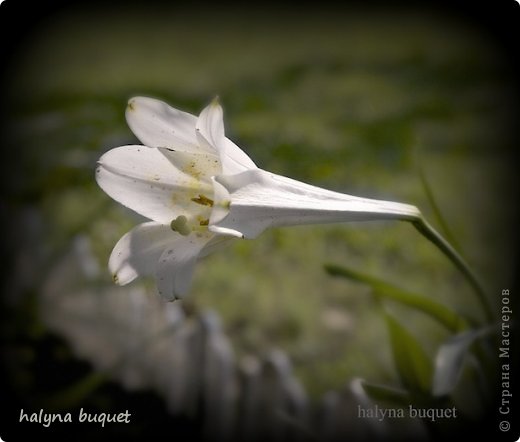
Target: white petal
(156,124)
(210,128)
(210,123)
(146,181)
(200,166)
(218,242)
(234,160)
(176,265)
(252,201)
(138,251)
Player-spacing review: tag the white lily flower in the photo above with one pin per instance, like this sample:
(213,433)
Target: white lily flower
(200,190)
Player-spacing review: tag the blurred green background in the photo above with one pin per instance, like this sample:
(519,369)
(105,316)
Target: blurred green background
(351,100)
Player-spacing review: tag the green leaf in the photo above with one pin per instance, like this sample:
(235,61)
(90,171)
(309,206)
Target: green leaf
(382,393)
(413,365)
(450,359)
(75,394)
(447,317)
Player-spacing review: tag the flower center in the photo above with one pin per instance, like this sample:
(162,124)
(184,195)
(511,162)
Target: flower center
(196,223)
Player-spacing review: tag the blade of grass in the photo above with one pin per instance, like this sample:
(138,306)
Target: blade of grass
(76,393)
(439,312)
(382,393)
(413,365)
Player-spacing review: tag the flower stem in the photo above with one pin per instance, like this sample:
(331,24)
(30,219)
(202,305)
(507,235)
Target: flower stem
(432,235)
(436,210)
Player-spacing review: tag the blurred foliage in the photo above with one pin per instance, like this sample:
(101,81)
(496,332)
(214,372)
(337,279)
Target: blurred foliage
(343,101)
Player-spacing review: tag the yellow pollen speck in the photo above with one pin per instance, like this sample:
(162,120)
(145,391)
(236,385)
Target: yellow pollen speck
(192,170)
(203,200)
(131,105)
(204,222)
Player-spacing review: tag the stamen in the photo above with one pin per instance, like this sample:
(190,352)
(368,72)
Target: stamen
(203,201)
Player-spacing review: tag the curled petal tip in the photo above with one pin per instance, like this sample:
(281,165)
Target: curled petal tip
(131,104)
